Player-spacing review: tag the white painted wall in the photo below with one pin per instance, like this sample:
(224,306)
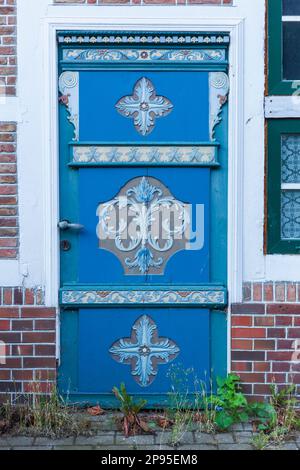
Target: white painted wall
(36,149)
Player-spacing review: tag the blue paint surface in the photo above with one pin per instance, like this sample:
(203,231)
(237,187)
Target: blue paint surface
(101,122)
(98,372)
(100,185)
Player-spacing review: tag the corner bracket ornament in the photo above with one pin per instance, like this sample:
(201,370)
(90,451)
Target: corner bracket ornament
(144,351)
(218,95)
(69,89)
(144,106)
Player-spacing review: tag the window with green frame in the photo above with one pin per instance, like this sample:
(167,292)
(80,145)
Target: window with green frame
(283,159)
(283,186)
(284,39)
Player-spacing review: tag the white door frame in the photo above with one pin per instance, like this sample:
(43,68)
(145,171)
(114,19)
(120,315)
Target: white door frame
(108,19)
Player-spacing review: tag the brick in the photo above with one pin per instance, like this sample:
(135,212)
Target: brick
(248,355)
(42,362)
(291,292)
(294,378)
(279,355)
(276,333)
(22,325)
(294,333)
(34,387)
(268,292)
(241,366)
(5,375)
(240,320)
(22,375)
(13,387)
(264,321)
(260,345)
(248,332)
(281,366)
(248,309)
(9,312)
(280,291)
(261,389)
(22,350)
(285,344)
(276,378)
(257,292)
(252,377)
(10,337)
(283,309)
(242,344)
(262,366)
(45,324)
(29,297)
(45,374)
(12,363)
(38,312)
(284,320)
(38,337)
(45,350)
(4,325)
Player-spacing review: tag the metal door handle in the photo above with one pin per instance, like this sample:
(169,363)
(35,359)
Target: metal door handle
(65,225)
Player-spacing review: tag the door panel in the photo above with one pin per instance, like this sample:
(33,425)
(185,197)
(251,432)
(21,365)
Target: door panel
(187,91)
(102,185)
(143,211)
(99,371)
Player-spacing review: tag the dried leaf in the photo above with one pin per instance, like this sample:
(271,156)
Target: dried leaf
(164,422)
(95,411)
(144,426)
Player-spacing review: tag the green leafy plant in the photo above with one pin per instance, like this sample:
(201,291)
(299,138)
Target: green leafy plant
(230,404)
(132,424)
(278,418)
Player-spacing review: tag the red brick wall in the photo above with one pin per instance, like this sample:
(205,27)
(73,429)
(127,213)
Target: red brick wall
(266,345)
(27,336)
(9,239)
(8,59)
(146,2)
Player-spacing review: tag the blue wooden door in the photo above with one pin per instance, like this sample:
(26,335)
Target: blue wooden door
(143,211)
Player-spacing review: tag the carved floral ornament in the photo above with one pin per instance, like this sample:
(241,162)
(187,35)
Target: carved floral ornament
(144,106)
(144,351)
(144,225)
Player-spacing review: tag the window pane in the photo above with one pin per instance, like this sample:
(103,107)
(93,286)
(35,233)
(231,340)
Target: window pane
(291,7)
(291,52)
(290,159)
(290,215)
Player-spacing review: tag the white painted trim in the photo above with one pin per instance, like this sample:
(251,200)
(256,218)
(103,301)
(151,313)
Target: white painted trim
(278,107)
(290,186)
(287,19)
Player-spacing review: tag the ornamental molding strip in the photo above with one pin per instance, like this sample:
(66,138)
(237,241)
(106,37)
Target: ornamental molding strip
(200,297)
(191,155)
(69,90)
(144,351)
(144,55)
(132,38)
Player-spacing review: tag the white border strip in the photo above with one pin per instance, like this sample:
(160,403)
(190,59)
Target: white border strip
(279,107)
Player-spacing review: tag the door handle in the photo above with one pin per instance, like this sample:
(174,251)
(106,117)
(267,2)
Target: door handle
(65,225)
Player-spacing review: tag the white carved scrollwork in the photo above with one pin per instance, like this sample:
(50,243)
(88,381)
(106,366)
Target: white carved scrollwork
(69,89)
